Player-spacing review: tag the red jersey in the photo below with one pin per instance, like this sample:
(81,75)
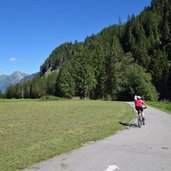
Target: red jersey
(138,103)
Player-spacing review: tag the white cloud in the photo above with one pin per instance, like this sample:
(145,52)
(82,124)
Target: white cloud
(13,59)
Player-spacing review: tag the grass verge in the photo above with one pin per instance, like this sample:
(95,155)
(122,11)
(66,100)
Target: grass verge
(32,131)
(165,106)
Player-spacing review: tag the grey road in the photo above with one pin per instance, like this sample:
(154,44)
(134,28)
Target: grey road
(134,149)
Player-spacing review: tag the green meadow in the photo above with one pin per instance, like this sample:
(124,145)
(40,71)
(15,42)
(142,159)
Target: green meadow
(34,130)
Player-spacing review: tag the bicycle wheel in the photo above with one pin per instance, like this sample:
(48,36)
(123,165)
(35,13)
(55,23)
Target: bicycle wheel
(139,121)
(143,121)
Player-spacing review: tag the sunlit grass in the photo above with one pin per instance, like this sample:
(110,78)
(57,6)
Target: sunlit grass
(31,131)
(166,106)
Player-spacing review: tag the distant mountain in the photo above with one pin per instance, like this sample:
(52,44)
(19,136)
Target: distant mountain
(2,77)
(28,77)
(7,80)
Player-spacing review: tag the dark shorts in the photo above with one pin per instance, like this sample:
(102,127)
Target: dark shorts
(139,108)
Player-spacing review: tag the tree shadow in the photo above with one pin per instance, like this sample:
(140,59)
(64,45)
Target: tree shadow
(129,124)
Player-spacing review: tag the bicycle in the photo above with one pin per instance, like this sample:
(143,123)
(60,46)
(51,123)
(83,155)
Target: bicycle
(141,120)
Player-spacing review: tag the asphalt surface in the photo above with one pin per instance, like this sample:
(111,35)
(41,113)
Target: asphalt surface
(134,149)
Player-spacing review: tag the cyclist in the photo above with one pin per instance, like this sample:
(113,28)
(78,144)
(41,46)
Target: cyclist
(139,103)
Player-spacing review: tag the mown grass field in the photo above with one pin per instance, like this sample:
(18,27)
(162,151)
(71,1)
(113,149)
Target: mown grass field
(165,106)
(33,130)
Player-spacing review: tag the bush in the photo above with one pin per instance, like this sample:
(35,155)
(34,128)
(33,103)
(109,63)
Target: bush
(49,98)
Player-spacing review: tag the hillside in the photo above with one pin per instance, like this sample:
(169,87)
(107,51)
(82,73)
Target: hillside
(120,61)
(7,80)
(2,77)
(28,77)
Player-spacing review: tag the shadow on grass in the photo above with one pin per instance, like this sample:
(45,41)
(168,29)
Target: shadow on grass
(129,124)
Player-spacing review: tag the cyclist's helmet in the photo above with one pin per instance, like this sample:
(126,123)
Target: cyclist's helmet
(138,97)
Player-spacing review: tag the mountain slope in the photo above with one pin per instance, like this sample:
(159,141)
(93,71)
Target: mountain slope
(28,77)
(2,77)
(146,38)
(14,78)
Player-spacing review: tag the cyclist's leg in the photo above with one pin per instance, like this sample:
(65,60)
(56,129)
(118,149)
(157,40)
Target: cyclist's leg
(143,117)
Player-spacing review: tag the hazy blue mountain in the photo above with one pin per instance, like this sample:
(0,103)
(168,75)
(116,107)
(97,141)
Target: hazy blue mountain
(28,77)
(2,77)
(6,80)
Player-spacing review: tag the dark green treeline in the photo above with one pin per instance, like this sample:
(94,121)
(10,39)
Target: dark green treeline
(117,63)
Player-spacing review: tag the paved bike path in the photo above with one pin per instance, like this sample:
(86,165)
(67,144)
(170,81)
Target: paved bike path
(135,149)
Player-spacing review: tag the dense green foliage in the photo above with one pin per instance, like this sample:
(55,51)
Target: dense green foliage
(120,61)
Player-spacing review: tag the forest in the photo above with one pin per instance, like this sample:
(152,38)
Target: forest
(120,61)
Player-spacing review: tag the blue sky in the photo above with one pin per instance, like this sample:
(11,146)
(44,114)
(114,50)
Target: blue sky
(31,29)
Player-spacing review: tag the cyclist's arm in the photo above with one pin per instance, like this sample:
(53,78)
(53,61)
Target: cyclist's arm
(144,103)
